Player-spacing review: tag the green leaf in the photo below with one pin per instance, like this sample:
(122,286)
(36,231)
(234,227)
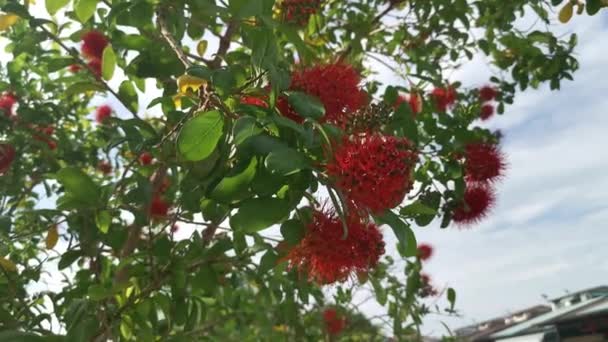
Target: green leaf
(98,292)
(68,258)
(5,224)
(230,188)
(103,221)
(286,161)
(402,231)
(305,105)
(83,87)
(293,231)
(451,297)
(79,185)
(128,96)
(108,63)
(417,208)
(593,6)
(199,136)
(85,9)
(244,128)
(259,213)
(268,261)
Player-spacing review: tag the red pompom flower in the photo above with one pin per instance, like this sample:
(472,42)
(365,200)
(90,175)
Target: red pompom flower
(477,202)
(444,98)
(334,322)
(254,101)
(299,11)
(93,44)
(483,162)
(487,111)
(7,102)
(425,251)
(373,171)
(487,93)
(104,167)
(95,67)
(74,68)
(145,158)
(102,113)
(413,99)
(324,256)
(335,85)
(159,208)
(7,156)
(426,287)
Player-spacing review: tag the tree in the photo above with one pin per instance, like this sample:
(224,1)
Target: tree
(277,128)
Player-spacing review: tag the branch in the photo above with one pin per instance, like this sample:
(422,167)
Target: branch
(74,54)
(161,21)
(224,44)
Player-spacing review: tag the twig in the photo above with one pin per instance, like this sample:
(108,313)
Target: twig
(224,45)
(164,31)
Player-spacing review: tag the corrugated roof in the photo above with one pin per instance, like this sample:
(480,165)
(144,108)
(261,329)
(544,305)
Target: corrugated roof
(600,289)
(596,308)
(539,320)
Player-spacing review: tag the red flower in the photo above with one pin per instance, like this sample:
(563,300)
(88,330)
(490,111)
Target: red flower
(326,257)
(426,288)
(45,136)
(335,85)
(299,11)
(105,167)
(483,162)
(145,158)
(478,201)
(102,113)
(93,43)
(7,102)
(334,323)
(487,93)
(7,156)
(444,98)
(373,171)
(487,111)
(159,208)
(254,101)
(74,68)
(413,99)
(95,67)
(425,251)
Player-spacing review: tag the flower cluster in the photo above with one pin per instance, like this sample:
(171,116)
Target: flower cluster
(414,100)
(373,171)
(325,256)
(93,44)
(7,103)
(102,113)
(484,163)
(444,98)
(426,287)
(7,156)
(477,202)
(335,85)
(298,12)
(425,251)
(334,322)
(486,95)
(44,134)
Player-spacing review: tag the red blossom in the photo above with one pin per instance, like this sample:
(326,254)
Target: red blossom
(7,156)
(478,201)
(444,98)
(373,171)
(425,251)
(335,85)
(145,158)
(159,208)
(487,93)
(74,68)
(254,101)
(45,135)
(483,162)
(93,44)
(427,289)
(487,111)
(103,113)
(325,256)
(95,67)
(299,11)
(413,99)
(7,103)
(105,167)
(334,322)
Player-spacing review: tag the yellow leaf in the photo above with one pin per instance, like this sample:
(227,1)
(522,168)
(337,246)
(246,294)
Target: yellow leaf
(280,328)
(186,82)
(177,100)
(52,236)
(7,20)
(8,265)
(201,47)
(565,14)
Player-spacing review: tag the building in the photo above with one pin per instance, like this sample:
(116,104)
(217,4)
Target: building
(576,317)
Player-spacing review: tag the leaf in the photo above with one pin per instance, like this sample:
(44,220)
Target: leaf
(305,105)
(53,6)
(103,219)
(593,6)
(108,64)
(402,231)
(7,20)
(259,213)
(244,128)
(201,47)
(68,258)
(451,297)
(82,87)
(8,265)
(230,188)
(52,236)
(189,82)
(286,161)
(79,185)
(565,14)
(268,261)
(293,231)
(417,208)
(85,9)
(199,136)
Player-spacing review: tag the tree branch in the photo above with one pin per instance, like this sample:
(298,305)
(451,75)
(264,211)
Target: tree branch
(161,21)
(224,45)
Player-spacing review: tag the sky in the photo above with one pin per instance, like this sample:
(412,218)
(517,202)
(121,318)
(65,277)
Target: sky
(547,233)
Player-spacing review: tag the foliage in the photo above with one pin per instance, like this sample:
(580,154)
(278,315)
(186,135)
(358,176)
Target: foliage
(197,141)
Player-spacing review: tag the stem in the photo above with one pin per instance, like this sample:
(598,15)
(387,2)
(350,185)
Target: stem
(224,45)
(161,21)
